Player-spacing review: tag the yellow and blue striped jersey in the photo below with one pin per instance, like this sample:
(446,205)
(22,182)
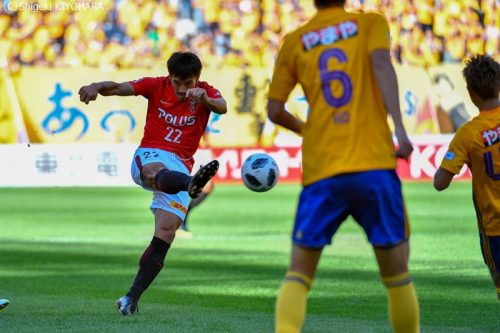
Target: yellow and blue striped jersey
(329,56)
(477,144)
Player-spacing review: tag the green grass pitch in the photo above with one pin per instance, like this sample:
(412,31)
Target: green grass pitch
(66,255)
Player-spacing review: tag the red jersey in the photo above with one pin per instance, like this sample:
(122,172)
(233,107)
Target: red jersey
(171,124)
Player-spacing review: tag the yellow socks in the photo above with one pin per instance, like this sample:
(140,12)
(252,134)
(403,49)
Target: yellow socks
(498,294)
(291,303)
(404,313)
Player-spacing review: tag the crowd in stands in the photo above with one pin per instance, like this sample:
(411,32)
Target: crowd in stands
(132,33)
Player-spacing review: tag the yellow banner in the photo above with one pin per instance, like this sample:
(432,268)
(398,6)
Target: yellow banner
(245,92)
(8,133)
(416,100)
(453,103)
(53,112)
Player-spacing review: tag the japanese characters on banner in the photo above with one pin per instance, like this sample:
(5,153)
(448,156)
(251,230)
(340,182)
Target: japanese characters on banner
(432,101)
(49,165)
(74,144)
(109,164)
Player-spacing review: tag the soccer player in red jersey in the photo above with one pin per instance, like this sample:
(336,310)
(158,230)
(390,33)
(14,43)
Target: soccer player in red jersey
(477,144)
(179,107)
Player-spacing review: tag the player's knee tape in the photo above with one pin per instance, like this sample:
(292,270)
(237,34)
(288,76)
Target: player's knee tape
(397,280)
(300,278)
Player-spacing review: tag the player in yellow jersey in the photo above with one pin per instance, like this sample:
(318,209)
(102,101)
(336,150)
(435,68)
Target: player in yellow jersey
(477,144)
(342,62)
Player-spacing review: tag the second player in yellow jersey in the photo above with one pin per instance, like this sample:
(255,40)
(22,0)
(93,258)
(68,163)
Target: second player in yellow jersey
(347,128)
(342,62)
(477,144)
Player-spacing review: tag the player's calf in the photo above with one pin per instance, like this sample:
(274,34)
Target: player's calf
(171,182)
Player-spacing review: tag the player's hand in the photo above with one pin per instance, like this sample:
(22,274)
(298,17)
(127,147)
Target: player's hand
(88,93)
(198,94)
(405,147)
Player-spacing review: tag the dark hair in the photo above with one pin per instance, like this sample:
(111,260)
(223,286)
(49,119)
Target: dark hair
(184,65)
(328,3)
(482,74)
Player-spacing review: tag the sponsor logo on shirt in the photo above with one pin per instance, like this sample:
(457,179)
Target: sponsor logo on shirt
(178,206)
(341,117)
(167,104)
(176,120)
(329,35)
(491,136)
(449,155)
(192,105)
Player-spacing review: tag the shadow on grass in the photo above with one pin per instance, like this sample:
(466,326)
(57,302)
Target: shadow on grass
(84,279)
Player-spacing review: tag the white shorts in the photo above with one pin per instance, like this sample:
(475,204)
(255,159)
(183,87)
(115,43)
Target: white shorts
(174,203)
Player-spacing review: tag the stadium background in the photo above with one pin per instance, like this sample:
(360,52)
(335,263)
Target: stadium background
(67,253)
(47,51)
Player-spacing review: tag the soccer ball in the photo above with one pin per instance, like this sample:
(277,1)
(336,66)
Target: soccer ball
(259,172)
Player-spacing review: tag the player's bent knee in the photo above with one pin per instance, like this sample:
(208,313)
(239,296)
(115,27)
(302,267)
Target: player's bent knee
(166,225)
(148,178)
(149,173)
(392,260)
(166,234)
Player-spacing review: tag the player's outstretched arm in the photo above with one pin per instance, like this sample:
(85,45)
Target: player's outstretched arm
(442,179)
(388,85)
(278,115)
(105,88)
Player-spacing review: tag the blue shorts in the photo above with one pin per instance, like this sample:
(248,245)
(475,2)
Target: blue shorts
(373,198)
(490,248)
(173,203)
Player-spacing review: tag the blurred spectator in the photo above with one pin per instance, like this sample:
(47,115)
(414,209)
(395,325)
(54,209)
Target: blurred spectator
(492,39)
(125,33)
(432,48)
(454,50)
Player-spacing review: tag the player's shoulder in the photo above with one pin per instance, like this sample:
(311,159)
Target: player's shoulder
(215,93)
(373,17)
(147,85)
(162,82)
(467,129)
(367,18)
(162,79)
(151,79)
(301,27)
(205,85)
(290,39)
